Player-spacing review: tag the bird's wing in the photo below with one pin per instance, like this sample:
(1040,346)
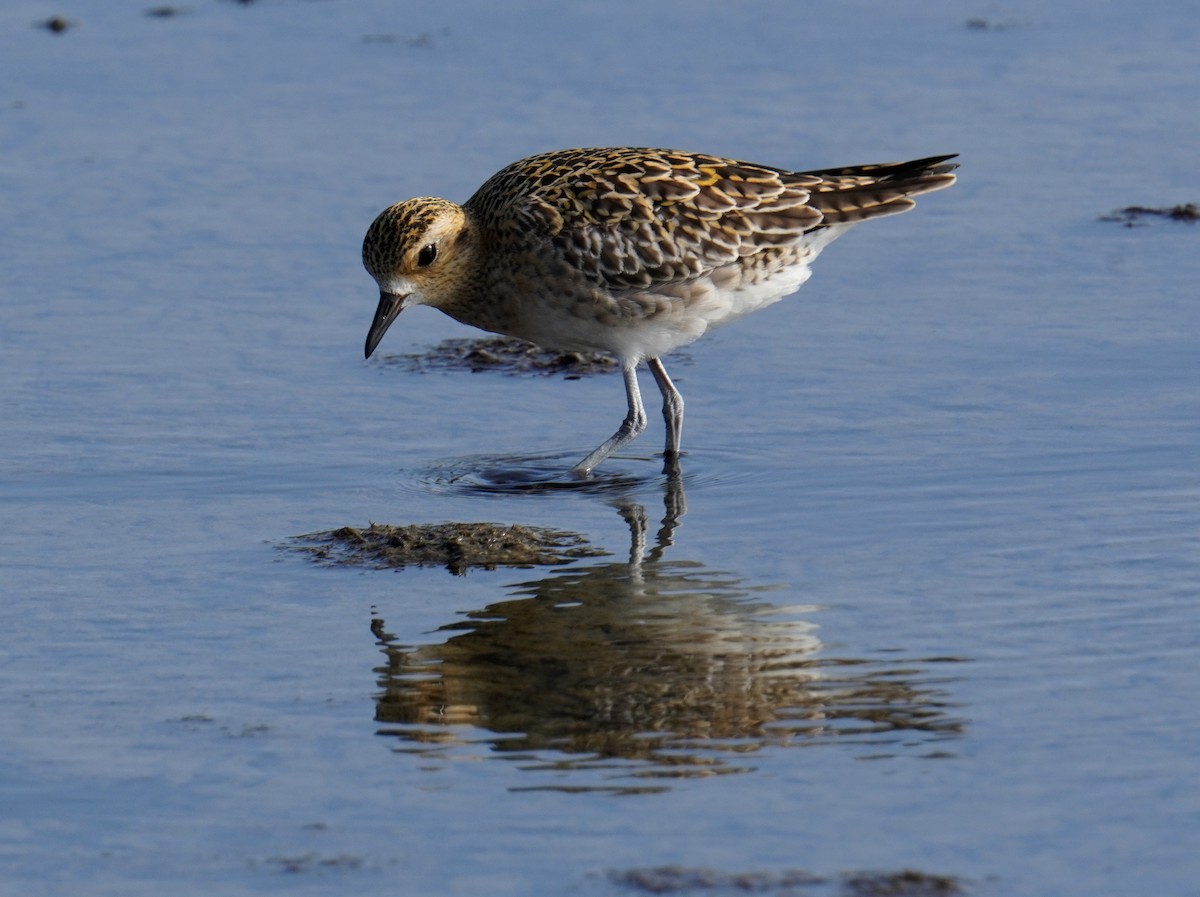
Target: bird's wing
(634,219)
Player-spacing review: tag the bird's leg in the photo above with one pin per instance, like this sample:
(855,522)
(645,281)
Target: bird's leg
(634,423)
(672,409)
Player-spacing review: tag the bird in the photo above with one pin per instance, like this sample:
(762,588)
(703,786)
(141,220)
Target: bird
(629,251)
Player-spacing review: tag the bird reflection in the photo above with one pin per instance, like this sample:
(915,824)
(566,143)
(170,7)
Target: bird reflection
(648,667)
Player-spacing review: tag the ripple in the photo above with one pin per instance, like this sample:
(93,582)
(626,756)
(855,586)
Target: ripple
(539,474)
(550,473)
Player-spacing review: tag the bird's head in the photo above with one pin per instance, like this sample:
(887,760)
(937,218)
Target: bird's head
(417,251)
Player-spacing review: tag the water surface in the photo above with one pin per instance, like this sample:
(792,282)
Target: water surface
(924,597)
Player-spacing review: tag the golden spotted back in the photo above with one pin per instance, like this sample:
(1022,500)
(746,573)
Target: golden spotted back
(630,219)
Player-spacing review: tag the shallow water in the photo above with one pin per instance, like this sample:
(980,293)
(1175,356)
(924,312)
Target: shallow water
(924,596)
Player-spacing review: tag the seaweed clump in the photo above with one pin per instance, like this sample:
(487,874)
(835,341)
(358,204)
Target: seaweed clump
(683,880)
(1132,216)
(506,355)
(456,546)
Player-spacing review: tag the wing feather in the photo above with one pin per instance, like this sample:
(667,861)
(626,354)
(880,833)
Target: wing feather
(635,219)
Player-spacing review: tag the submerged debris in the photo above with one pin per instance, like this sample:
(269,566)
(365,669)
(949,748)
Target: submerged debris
(681,879)
(981,24)
(424,39)
(310,862)
(906,883)
(457,546)
(1131,216)
(684,880)
(505,354)
(56,24)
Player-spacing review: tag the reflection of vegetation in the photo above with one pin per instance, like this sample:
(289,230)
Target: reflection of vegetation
(678,879)
(458,546)
(657,668)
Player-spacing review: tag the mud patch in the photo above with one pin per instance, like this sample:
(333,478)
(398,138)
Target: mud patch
(1136,216)
(681,880)
(505,355)
(456,546)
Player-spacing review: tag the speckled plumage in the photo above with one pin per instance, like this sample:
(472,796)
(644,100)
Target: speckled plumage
(630,251)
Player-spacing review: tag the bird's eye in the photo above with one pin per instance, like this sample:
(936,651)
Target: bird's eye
(426,256)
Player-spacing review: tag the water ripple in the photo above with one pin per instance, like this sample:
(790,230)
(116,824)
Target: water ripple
(550,473)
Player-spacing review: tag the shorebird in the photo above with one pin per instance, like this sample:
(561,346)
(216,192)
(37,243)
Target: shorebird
(629,251)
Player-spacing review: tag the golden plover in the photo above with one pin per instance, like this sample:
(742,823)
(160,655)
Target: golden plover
(628,251)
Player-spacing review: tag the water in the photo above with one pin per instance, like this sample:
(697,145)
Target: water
(924,597)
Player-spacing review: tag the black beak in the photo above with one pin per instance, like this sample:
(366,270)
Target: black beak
(390,305)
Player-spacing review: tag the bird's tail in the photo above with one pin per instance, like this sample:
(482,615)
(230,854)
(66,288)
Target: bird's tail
(858,192)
